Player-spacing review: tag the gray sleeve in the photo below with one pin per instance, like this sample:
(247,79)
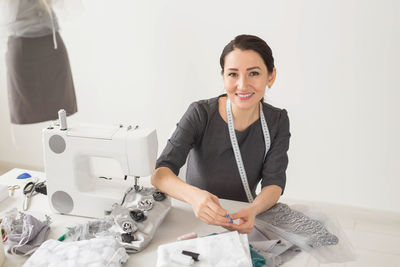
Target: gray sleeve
(187,134)
(274,169)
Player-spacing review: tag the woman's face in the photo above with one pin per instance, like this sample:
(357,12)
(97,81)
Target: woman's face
(246,78)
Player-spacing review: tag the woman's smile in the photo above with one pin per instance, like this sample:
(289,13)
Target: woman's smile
(244,96)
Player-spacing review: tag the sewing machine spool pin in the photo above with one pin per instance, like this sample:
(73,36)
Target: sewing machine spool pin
(62,117)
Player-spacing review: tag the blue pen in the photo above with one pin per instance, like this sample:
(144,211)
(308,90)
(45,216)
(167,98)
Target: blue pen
(227,216)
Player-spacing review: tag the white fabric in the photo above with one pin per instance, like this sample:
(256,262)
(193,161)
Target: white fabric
(94,252)
(29,18)
(224,250)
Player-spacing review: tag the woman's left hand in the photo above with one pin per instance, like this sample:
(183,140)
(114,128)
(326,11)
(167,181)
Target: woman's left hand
(246,218)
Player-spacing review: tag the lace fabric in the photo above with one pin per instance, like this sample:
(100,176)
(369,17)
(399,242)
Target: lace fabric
(311,230)
(296,222)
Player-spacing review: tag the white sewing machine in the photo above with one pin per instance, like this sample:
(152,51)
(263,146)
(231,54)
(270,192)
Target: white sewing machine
(72,188)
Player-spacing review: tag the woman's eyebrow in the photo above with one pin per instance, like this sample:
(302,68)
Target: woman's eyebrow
(252,68)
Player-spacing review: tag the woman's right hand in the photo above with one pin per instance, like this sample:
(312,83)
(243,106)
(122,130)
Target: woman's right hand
(206,207)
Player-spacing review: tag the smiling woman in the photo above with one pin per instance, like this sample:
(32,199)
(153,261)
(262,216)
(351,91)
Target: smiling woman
(231,142)
(254,54)
(245,78)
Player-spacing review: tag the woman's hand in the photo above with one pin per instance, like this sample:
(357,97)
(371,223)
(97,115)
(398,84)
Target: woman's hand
(246,218)
(206,207)
(267,198)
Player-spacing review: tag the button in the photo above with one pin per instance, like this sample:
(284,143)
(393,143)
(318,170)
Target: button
(127,237)
(145,204)
(137,215)
(159,196)
(128,227)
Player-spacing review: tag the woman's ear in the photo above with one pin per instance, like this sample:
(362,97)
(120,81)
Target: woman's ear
(271,78)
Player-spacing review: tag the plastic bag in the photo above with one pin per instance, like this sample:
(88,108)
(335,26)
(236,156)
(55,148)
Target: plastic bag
(91,229)
(8,221)
(315,232)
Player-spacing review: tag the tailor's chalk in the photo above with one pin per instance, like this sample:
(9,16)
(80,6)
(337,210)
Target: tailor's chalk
(187,236)
(24,175)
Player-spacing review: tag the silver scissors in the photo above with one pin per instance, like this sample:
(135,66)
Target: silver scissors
(29,191)
(12,188)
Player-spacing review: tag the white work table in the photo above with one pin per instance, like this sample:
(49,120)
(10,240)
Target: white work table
(180,220)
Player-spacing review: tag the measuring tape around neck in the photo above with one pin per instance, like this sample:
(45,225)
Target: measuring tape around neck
(236,149)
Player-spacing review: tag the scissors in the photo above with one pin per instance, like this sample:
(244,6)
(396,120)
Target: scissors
(29,191)
(12,188)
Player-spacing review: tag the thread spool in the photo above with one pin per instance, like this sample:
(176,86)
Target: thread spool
(62,117)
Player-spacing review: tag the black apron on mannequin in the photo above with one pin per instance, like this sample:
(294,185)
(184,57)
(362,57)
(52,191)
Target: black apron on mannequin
(39,78)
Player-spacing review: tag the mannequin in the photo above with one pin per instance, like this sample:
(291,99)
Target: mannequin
(39,78)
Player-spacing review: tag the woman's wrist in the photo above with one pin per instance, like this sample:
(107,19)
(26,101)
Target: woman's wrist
(254,207)
(190,193)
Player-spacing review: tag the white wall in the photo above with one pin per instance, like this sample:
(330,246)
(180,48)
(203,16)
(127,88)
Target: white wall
(338,68)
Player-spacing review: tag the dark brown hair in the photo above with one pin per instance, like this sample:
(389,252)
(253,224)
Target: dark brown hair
(249,42)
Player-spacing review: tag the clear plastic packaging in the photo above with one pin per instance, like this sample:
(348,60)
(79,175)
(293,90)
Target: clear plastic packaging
(9,221)
(334,247)
(91,229)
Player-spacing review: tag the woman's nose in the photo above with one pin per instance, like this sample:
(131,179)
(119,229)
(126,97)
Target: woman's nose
(241,83)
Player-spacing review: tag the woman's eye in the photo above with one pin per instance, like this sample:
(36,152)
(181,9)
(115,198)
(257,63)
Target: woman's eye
(232,74)
(254,73)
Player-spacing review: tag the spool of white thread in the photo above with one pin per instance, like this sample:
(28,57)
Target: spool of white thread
(62,117)
(2,254)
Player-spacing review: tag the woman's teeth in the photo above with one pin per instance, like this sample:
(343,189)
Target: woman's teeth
(244,96)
